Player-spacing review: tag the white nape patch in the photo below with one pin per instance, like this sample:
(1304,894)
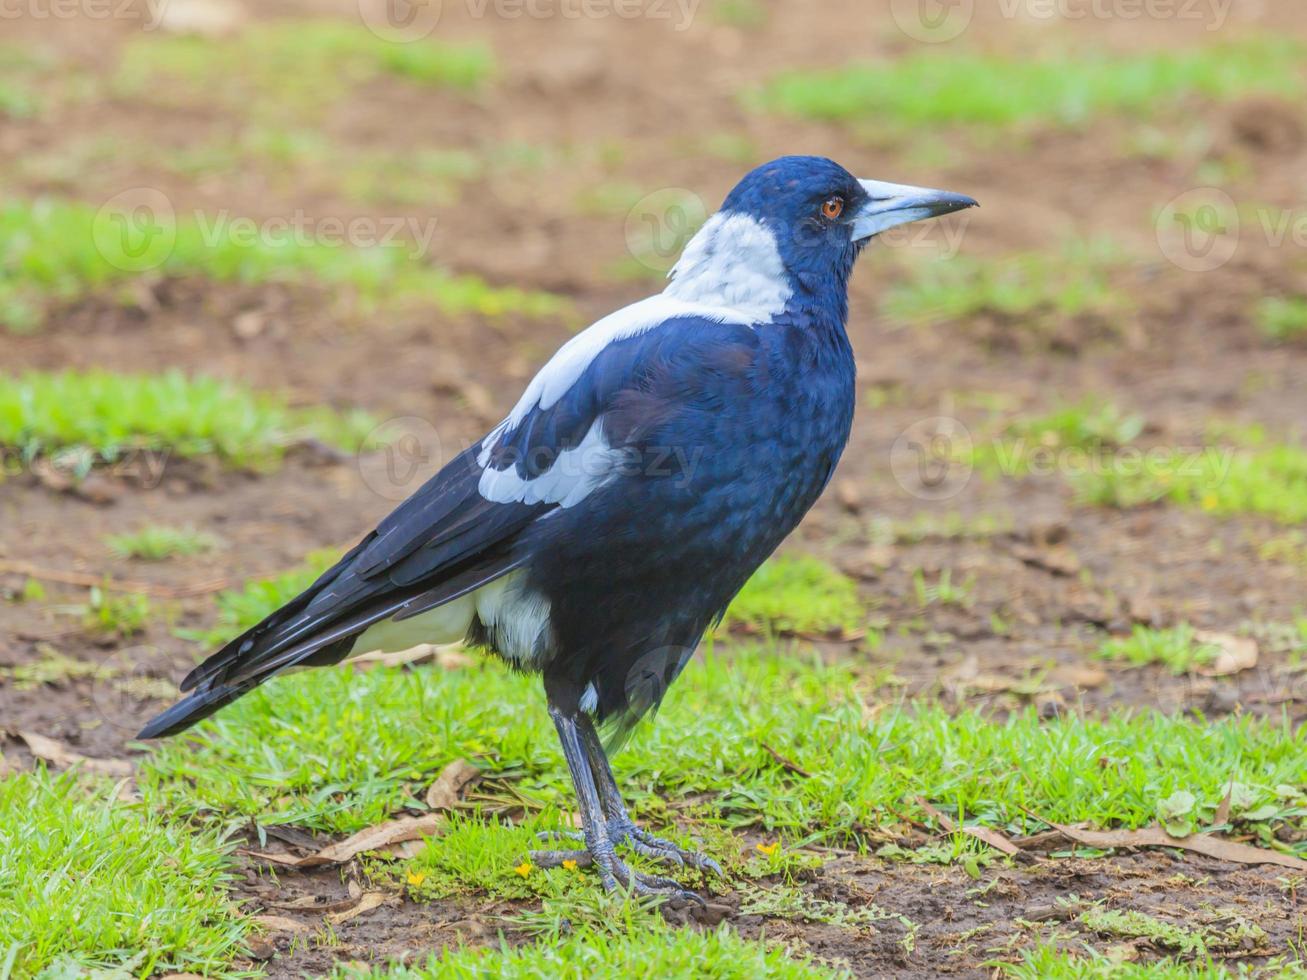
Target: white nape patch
(733,262)
(589,699)
(516,619)
(574,475)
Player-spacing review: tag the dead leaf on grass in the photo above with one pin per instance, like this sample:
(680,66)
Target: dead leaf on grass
(372,838)
(987,835)
(61,755)
(368,902)
(1206,844)
(1080,675)
(1222,815)
(447,790)
(787,764)
(280,923)
(1235,653)
(309,903)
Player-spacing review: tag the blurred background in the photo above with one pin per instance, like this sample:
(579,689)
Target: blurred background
(264,266)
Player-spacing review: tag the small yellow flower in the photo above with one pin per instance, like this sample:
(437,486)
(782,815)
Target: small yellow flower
(1211,501)
(569,865)
(524,868)
(769,849)
(416,878)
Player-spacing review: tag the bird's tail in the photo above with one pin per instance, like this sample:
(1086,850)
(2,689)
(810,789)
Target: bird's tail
(316,629)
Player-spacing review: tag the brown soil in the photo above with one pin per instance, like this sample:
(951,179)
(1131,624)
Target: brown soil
(1057,574)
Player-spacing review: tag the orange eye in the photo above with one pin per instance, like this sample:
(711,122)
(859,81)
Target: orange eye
(832,207)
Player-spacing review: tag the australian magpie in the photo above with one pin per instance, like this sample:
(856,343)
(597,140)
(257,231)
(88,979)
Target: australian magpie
(647,470)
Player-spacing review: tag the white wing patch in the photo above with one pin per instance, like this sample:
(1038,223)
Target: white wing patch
(575,474)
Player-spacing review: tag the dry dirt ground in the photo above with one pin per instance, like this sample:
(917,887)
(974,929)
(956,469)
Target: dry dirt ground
(1055,573)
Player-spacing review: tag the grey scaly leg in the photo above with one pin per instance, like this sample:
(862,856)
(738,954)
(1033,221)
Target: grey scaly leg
(598,838)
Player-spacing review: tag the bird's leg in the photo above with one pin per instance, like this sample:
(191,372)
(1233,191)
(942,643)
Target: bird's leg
(598,839)
(620,825)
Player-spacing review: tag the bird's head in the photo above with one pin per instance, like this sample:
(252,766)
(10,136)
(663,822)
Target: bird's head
(789,232)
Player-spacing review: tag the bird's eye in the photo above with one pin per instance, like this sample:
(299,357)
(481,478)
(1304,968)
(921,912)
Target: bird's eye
(832,207)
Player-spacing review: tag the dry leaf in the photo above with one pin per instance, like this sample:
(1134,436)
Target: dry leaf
(308,903)
(447,790)
(1056,560)
(1207,844)
(279,923)
(61,755)
(787,764)
(405,849)
(985,834)
(367,903)
(1236,653)
(205,18)
(373,838)
(1222,814)
(1079,675)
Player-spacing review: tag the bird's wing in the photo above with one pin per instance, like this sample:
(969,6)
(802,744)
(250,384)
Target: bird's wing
(562,441)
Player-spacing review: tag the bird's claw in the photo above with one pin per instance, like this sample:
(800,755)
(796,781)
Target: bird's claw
(614,873)
(657,848)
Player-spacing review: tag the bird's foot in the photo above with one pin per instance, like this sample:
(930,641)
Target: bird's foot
(623,829)
(651,846)
(615,874)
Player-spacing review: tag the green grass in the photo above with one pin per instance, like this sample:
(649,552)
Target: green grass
(646,948)
(798,594)
(52,251)
(155,542)
(101,416)
(1070,436)
(1038,290)
(1052,961)
(1176,649)
(285,70)
(19,67)
(117,614)
(339,750)
(1283,318)
(1094,445)
(997,93)
(1270,480)
(89,883)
